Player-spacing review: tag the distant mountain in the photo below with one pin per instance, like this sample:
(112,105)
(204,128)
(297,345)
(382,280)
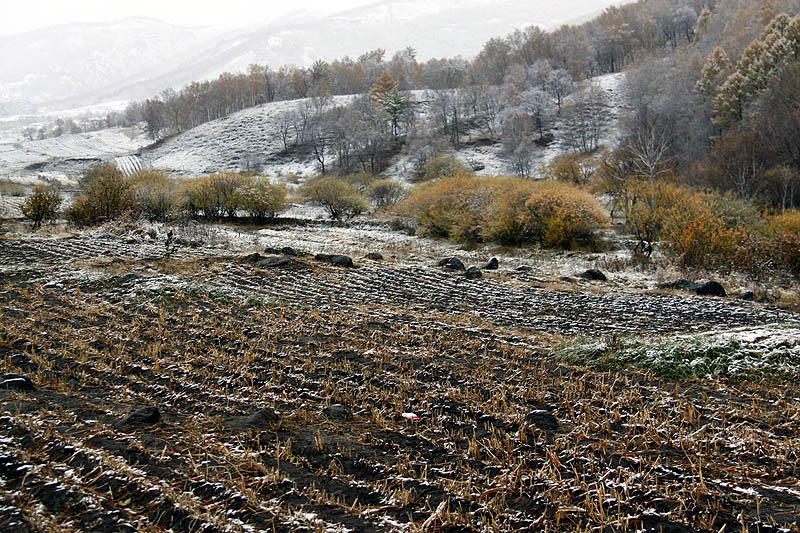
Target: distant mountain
(66,65)
(82,64)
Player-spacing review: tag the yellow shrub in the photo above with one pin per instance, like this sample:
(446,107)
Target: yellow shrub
(698,235)
(449,206)
(560,215)
(510,211)
(786,222)
(154,194)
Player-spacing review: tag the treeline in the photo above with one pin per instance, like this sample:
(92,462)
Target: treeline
(605,44)
(721,112)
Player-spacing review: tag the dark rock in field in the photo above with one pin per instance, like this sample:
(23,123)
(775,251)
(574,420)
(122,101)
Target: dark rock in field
(252,258)
(338,411)
(592,275)
(261,418)
(144,416)
(542,419)
(286,250)
(523,268)
(473,273)
(711,288)
(682,285)
(567,279)
(766,300)
(129,278)
(17,382)
(492,264)
(340,260)
(375,256)
(452,263)
(275,261)
(748,296)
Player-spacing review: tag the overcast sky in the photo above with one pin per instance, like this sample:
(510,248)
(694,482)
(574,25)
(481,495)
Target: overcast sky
(17,16)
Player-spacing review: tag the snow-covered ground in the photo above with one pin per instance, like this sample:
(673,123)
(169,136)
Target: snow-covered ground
(249,137)
(22,161)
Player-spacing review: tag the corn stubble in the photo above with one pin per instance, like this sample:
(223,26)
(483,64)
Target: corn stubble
(438,439)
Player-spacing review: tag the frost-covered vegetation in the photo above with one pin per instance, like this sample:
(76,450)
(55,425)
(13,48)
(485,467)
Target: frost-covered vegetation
(743,354)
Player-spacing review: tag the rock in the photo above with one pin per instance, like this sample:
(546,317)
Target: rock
(17,382)
(286,250)
(766,300)
(682,285)
(375,256)
(473,273)
(592,275)
(338,411)
(275,261)
(492,264)
(144,416)
(711,288)
(340,260)
(261,418)
(129,278)
(567,279)
(523,268)
(452,263)
(542,419)
(252,258)
(748,296)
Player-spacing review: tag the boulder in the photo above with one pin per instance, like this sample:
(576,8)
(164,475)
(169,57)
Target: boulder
(129,278)
(711,288)
(338,411)
(682,285)
(491,264)
(375,256)
(452,263)
(252,258)
(592,275)
(145,416)
(748,296)
(17,382)
(524,268)
(340,260)
(270,262)
(542,419)
(473,273)
(261,418)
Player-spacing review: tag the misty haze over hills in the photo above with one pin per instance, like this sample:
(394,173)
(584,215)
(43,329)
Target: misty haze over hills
(84,64)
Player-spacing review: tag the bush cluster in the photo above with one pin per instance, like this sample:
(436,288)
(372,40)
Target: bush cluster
(106,194)
(352,194)
(509,211)
(42,206)
(711,230)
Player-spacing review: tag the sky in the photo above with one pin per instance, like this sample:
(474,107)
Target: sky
(25,15)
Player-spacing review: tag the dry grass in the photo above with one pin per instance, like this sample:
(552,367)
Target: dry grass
(631,452)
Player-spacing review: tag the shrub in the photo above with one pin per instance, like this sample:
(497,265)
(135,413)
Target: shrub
(214,196)
(260,198)
(337,196)
(647,206)
(559,215)
(510,211)
(105,194)
(449,207)
(360,181)
(786,222)
(154,194)
(443,166)
(41,206)
(385,193)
